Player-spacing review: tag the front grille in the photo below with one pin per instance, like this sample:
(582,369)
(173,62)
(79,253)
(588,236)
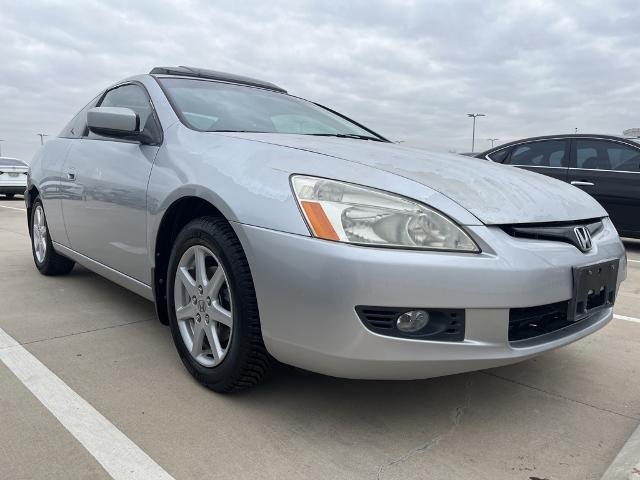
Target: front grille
(445,324)
(529,322)
(554,231)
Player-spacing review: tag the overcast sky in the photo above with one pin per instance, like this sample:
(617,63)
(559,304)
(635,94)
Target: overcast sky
(410,70)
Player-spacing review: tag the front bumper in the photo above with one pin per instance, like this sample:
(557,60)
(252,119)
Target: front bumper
(307,291)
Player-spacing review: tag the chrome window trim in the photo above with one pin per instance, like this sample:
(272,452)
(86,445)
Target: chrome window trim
(602,170)
(614,140)
(535,166)
(496,151)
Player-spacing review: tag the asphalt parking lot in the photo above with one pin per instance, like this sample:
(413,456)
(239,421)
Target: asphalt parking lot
(564,415)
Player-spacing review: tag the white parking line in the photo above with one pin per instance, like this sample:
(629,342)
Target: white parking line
(628,319)
(626,465)
(14,208)
(634,261)
(118,455)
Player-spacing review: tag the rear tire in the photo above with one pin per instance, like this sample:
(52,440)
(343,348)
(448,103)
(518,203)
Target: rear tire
(9,196)
(223,351)
(47,260)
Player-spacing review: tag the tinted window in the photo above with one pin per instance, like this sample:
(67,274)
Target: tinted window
(500,155)
(604,155)
(550,153)
(129,96)
(216,106)
(77,127)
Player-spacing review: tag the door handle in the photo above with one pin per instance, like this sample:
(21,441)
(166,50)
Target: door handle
(582,184)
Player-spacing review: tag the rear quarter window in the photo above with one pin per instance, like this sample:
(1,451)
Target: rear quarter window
(499,156)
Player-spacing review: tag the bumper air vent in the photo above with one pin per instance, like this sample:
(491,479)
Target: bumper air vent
(444,325)
(530,322)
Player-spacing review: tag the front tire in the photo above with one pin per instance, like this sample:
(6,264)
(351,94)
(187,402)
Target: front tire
(47,260)
(212,306)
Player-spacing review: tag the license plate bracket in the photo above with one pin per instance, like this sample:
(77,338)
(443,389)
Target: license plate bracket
(594,288)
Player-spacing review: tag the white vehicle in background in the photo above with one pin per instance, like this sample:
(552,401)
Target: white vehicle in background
(13,176)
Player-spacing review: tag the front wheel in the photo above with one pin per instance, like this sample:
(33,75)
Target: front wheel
(213,311)
(47,260)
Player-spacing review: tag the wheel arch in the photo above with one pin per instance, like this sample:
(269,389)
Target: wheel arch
(31,194)
(180,212)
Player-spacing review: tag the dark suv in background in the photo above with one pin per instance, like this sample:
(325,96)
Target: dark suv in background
(605,166)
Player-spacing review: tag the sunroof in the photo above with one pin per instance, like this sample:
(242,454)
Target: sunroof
(215,75)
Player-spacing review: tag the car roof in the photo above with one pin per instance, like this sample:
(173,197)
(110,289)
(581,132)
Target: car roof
(563,136)
(183,71)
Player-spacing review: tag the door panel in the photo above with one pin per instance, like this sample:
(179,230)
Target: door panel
(105,211)
(548,157)
(610,172)
(55,186)
(105,204)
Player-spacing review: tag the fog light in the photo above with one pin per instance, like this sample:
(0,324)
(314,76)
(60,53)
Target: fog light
(412,321)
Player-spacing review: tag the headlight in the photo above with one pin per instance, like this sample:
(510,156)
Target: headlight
(348,213)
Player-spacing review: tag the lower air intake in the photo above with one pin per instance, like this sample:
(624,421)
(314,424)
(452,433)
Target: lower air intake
(529,322)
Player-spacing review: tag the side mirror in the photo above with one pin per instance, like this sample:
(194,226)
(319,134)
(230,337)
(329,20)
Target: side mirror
(117,122)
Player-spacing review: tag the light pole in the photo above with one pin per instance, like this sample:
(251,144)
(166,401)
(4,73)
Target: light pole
(493,140)
(42,135)
(473,137)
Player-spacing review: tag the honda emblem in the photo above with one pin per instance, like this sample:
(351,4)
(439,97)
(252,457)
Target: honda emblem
(583,236)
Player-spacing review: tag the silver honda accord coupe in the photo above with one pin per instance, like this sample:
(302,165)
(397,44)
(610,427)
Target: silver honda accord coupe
(267,227)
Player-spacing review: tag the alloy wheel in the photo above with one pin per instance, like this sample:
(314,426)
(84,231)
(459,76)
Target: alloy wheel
(203,305)
(39,234)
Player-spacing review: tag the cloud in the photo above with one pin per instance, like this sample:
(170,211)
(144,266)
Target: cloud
(410,70)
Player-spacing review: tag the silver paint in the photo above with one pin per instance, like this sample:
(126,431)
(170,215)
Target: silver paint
(307,290)
(111,196)
(113,118)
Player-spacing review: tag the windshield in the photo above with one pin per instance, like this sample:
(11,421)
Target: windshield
(216,106)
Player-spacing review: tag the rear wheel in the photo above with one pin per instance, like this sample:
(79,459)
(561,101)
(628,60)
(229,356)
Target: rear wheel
(47,260)
(213,311)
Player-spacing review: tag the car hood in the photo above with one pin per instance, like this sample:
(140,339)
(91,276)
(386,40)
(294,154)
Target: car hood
(493,193)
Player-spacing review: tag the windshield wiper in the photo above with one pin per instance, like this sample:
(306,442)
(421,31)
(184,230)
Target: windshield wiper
(339,135)
(239,131)
(346,135)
